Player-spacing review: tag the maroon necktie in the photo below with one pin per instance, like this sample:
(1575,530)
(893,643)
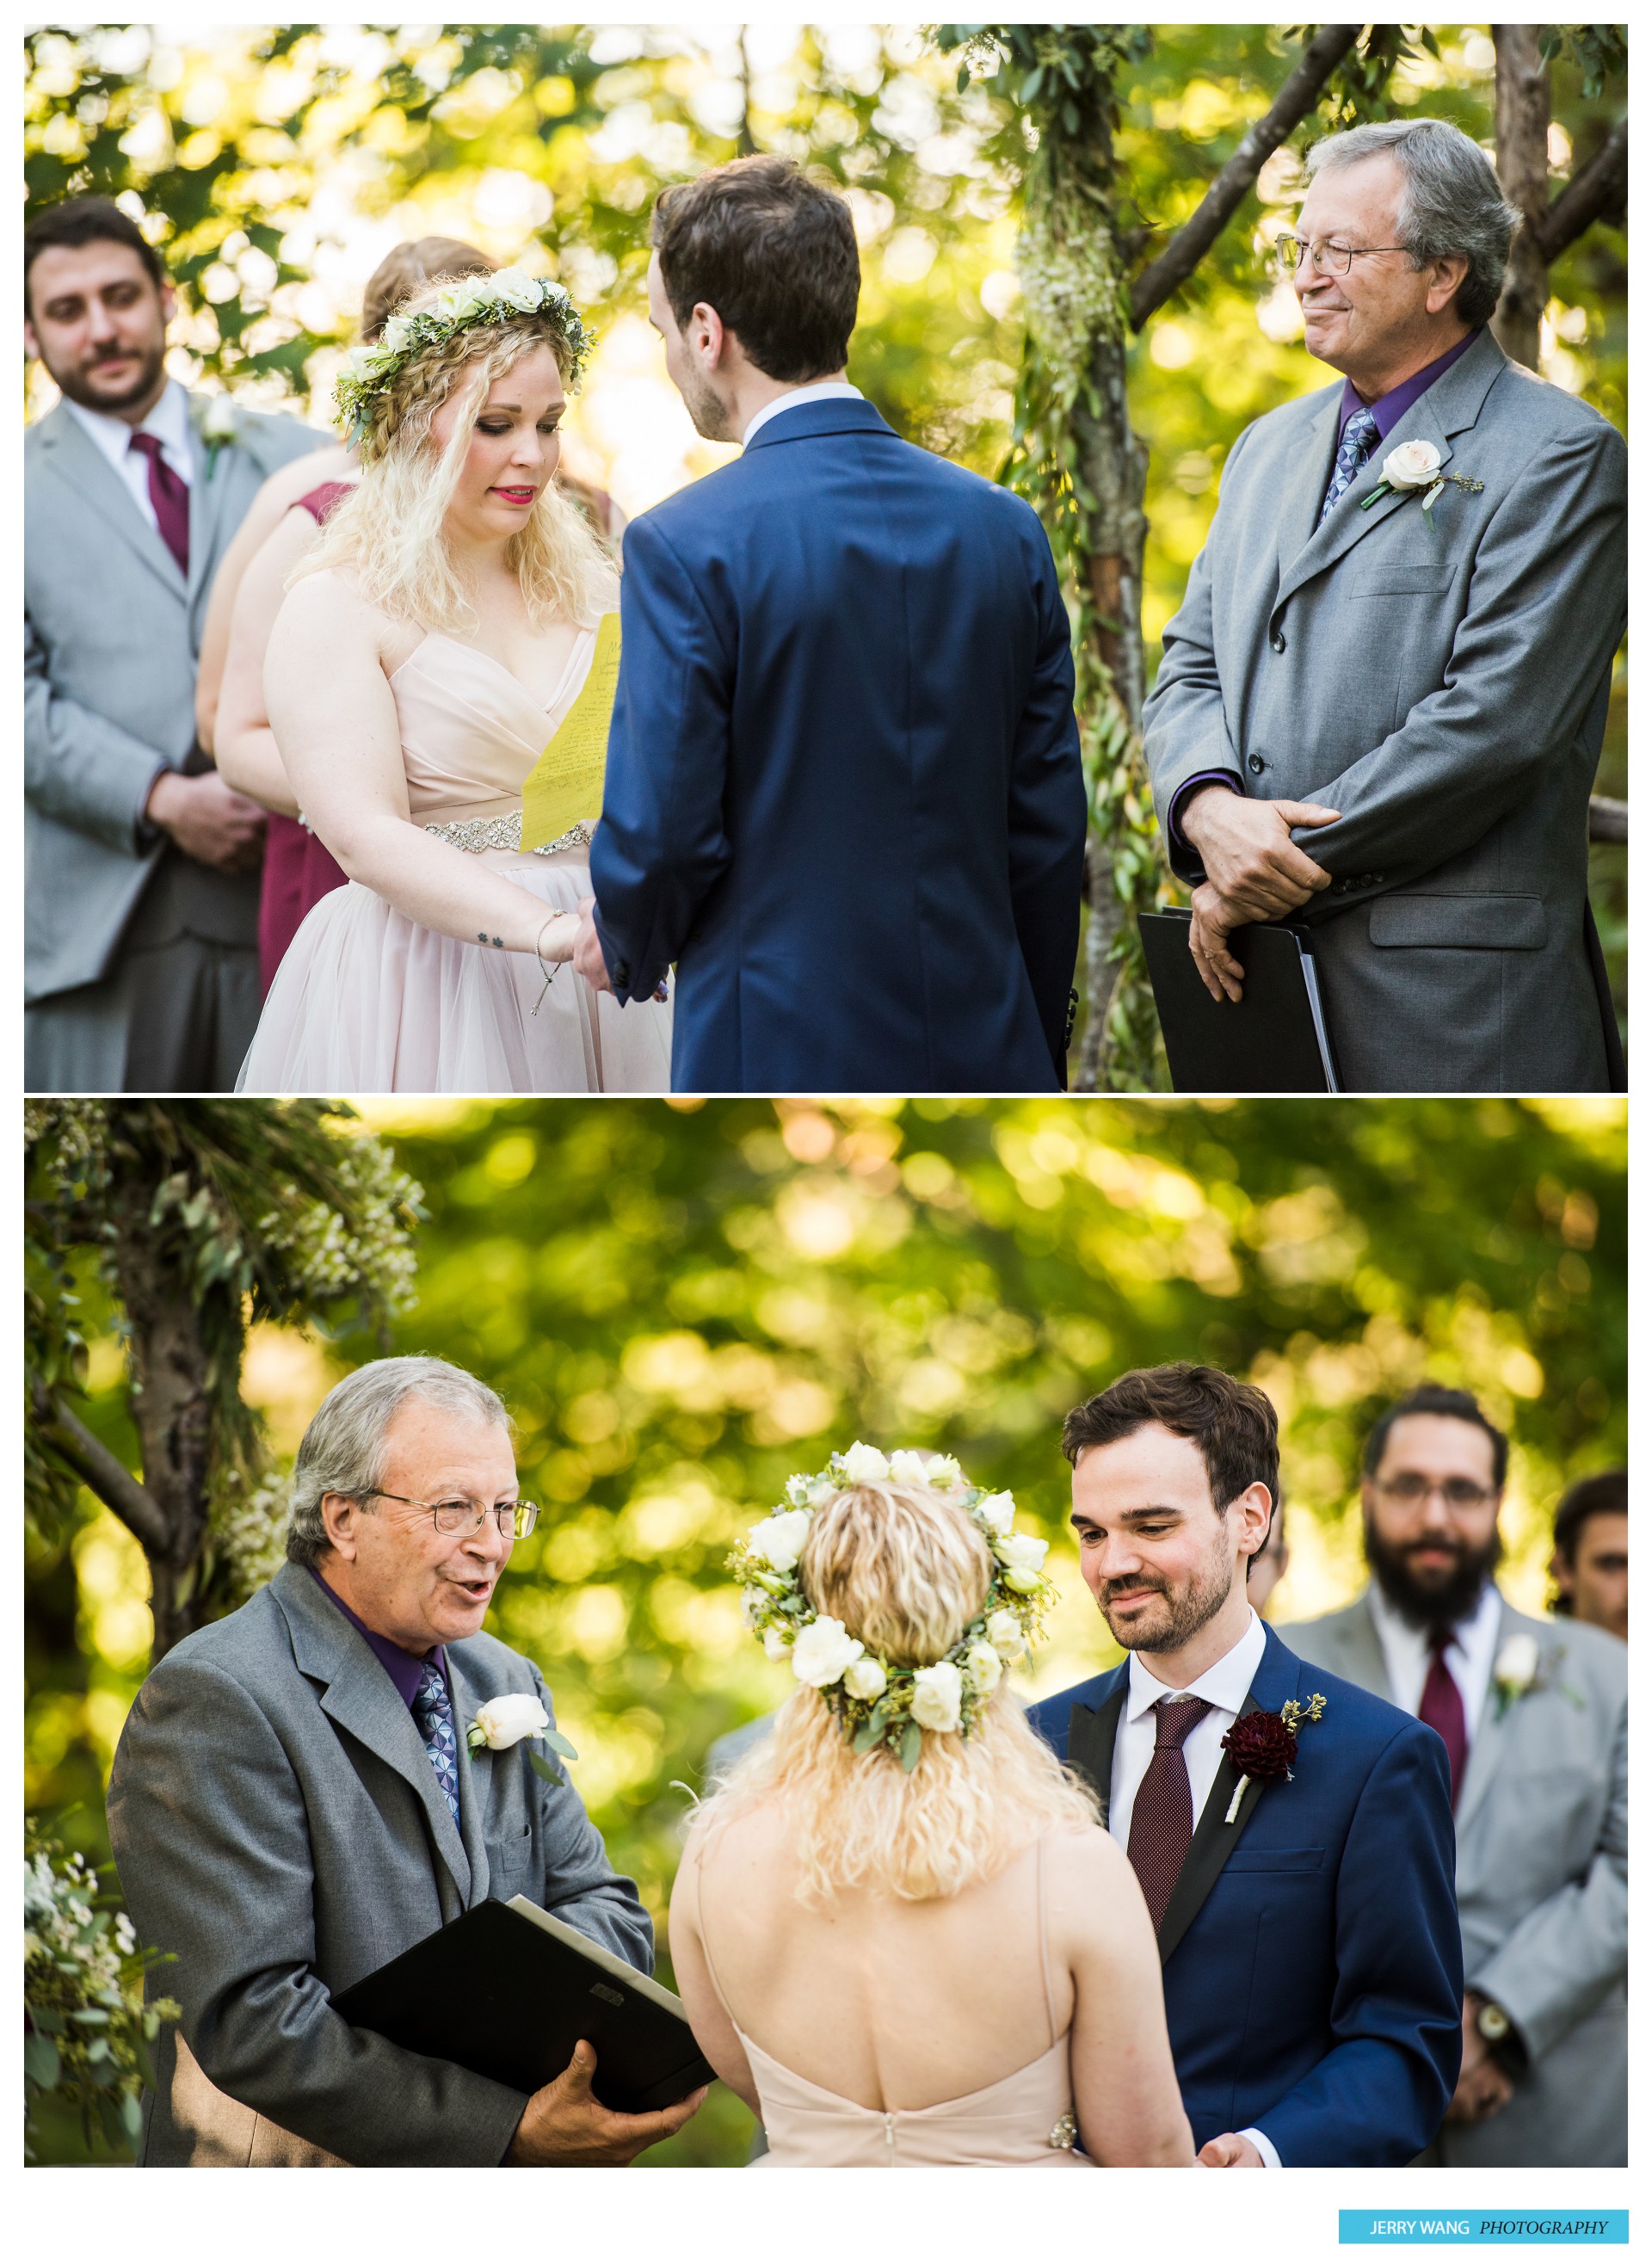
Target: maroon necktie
(169,498)
(1442,1706)
(1161,1821)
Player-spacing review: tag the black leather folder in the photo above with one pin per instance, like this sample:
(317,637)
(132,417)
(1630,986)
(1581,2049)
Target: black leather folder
(1275,1038)
(507,1990)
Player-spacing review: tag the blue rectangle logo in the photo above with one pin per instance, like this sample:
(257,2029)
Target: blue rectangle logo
(1534,2229)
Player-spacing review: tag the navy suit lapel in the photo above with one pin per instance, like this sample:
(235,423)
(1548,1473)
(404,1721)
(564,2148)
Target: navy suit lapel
(1214,1840)
(1091,1735)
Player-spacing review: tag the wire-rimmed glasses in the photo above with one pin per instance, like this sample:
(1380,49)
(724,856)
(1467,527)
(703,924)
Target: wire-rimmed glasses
(1330,256)
(454,1516)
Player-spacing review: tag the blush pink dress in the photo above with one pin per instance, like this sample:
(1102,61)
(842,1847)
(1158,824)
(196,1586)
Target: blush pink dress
(365,1000)
(1024,2118)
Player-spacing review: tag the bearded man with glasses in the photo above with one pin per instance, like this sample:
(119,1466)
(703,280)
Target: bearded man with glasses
(295,1802)
(1380,707)
(1534,1717)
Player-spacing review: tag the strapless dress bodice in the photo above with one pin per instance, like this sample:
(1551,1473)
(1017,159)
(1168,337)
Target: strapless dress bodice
(471,732)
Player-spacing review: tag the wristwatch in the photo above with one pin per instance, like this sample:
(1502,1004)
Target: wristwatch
(1492,2023)
(1503,2041)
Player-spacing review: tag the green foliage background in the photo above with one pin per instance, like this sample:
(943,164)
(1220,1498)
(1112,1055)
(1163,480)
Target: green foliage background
(683,1302)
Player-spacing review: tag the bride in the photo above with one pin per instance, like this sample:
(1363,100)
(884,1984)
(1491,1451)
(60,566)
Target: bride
(431,643)
(898,1930)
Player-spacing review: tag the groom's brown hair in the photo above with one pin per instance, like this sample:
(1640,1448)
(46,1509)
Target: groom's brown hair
(773,252)
(1233,1426)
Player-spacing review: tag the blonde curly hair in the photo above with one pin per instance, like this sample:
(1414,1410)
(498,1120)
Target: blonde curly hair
(903,1569)
(390,532)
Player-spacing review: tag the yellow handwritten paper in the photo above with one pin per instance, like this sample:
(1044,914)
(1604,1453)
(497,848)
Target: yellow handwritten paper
(564,786)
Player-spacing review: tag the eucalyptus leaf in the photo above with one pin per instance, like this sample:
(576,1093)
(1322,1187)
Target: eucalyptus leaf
(564,1748)
(547,1773)
(912,1746)
(41,2065)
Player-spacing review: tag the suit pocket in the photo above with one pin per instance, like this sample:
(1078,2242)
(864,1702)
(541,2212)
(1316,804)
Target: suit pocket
(1458,921)
(1404,581)
(1274,1861)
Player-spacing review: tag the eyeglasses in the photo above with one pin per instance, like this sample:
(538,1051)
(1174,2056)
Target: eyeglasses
(1460,1496)
(455,1515)
(1330,258)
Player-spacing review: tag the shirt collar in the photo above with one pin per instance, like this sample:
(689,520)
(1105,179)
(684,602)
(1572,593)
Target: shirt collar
(1386,412)
(406,1670)
(804,396)
(168,419)
(1223,1686)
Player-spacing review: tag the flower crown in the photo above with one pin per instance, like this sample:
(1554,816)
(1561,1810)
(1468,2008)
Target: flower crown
(879,1703)
(506,296)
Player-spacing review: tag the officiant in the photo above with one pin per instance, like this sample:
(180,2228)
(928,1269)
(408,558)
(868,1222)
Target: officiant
(295,1802)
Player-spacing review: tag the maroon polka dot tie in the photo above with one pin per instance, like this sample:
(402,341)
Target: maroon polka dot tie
(1161,1823)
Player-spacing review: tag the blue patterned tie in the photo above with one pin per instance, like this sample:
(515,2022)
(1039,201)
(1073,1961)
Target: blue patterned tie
(433,1715)
(1359,436)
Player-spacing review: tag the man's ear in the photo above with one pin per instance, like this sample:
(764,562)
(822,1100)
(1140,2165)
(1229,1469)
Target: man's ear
(1450,274)
(31,343)
(707,336)
(340,1517)
(1255,1507)
(168,302)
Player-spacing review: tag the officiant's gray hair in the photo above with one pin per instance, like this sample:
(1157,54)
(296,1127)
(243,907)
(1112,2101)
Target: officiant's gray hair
(343,1444)
(1450,207)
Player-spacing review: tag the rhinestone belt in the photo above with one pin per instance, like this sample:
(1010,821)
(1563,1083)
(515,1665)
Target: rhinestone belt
(481,832)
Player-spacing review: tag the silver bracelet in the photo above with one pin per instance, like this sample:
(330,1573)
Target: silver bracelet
(547,974)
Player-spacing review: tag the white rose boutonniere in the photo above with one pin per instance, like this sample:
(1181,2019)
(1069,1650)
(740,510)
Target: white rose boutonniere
(1413,467)
(219,421)
(1514,1671)
(511,1717)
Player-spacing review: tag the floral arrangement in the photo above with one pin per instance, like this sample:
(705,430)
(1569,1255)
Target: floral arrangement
(1260,1745)
(882,1704)
(86,2028)
(1413,467)
(371,369)
(509,1718)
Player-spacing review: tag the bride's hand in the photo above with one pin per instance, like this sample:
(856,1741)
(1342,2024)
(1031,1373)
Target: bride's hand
(555,941)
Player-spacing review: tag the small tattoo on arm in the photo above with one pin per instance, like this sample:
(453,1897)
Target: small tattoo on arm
(498,943)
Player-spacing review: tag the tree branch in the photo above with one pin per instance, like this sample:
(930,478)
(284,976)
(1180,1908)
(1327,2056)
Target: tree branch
(1598,192)
(100,1470)
(1233,183)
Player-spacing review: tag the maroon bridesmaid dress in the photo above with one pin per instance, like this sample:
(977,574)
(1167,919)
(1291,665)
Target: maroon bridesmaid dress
(298,870)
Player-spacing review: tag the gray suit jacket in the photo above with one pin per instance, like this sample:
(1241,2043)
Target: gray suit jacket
(1541,1881)
(110,635)
(1443,682)
(277,1826)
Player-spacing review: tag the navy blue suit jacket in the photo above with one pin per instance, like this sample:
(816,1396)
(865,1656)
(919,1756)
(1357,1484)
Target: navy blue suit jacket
(844,792)
(1313,1963)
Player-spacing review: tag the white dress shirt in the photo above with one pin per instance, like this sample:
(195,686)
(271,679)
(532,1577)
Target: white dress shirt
(1224,1686)
(169,420)
(1469,1658)
(804,396)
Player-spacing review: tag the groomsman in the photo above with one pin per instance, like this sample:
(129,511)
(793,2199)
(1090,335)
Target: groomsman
(1299,1881)
(141,863)
(1381,703)
(1534,1717)
(1591,1563)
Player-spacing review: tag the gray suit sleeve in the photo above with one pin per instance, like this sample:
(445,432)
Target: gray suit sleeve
(581,1886)
(1546,609)
(1184,726)
(78,767)
(222,1879)
(1571,1951)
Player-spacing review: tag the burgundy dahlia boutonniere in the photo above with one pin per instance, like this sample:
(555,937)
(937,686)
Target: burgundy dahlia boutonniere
(1262,1745)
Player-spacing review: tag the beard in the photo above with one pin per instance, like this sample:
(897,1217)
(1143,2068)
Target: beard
(1186,1613)
(706,412)
(72,382)
(1425,1603)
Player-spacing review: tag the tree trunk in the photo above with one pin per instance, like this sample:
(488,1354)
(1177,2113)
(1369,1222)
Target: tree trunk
(170,1406)
(1522,169)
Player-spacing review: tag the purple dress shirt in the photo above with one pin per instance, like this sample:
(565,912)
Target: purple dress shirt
(1385,413)
(405,1669)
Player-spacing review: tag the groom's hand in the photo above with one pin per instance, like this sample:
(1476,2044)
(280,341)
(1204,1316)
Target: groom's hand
(1228,2151)
(1248,852)
(565,2124)
(589,961)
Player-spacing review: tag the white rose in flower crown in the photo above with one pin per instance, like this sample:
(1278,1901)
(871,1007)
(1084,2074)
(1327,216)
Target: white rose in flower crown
(1416,463)
(944,1474)
(513,288)
(997,1512)
(909,1466)
(865,1678)
(467,297)
(821,1653)
(984,1666)
(397,334)
(938,1695)
(364,362)
(780,1539)
(1516,1665)
(1021,1553)
(1006,1634)
(510,1717)
(777,1645)
(862,1463)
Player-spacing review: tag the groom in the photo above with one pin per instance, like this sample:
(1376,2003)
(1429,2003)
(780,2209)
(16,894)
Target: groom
(844,793)
(1307,1919)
